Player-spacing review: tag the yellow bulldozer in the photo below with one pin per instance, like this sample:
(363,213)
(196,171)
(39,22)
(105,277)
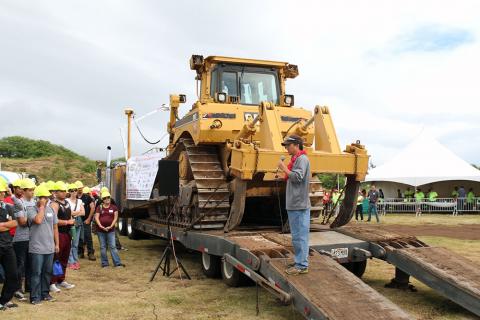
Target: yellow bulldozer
(228,146)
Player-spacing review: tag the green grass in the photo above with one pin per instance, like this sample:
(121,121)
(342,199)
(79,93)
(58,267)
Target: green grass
(127,294)
(45,160)
(24,148)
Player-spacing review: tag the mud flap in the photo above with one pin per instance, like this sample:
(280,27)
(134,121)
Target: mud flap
(349,203)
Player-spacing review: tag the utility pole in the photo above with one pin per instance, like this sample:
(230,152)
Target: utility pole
(129,113)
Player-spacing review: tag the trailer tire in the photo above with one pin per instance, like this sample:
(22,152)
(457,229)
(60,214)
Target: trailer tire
(357,267)
(123,226)
(131,232)
(232,277)
(211,265)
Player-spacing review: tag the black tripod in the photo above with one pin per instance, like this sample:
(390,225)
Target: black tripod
(167,255)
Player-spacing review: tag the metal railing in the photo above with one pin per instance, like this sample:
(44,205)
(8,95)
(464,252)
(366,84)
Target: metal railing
(439,205)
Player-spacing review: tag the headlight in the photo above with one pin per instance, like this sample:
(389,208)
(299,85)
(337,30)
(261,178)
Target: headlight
(288,100)
(221,97)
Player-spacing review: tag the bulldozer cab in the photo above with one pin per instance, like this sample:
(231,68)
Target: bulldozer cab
(242,81)
(244,84)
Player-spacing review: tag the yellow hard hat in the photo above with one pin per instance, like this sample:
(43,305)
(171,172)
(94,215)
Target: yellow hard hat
(3,188)
(60,186)
(86,190)
(50,185)
(105,194)
(42,191)
(104,189)
(27,184)
(79,184)
(72,186)
(17,183)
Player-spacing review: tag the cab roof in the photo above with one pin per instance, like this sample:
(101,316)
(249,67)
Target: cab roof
(253,62)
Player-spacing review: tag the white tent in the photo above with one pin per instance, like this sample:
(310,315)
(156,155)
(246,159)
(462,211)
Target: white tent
(424,161)
(9,176)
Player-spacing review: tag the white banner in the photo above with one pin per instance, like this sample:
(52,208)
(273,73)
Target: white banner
(141,173)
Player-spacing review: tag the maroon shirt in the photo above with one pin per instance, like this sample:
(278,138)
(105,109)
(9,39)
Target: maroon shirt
(107,215)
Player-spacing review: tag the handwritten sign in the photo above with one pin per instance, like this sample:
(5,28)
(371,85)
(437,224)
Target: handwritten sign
(141,173)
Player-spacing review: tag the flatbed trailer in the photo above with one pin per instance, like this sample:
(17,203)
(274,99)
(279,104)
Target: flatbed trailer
(328,291)
(332,289)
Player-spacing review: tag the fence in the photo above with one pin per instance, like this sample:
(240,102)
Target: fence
(440,205)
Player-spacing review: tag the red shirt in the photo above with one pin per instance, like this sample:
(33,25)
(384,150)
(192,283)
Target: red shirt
(8,199)
(107,215)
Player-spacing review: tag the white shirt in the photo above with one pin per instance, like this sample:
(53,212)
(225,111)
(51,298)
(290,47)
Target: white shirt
(75,206)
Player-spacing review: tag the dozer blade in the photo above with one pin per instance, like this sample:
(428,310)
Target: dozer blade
(348,205)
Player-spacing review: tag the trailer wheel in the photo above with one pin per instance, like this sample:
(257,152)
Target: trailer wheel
(357,267)
(232,277)
(211,265)
(123,226)
(131,232)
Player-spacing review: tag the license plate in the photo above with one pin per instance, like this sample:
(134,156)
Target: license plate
(340,253)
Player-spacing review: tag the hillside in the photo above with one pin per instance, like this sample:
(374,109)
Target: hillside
(45,160)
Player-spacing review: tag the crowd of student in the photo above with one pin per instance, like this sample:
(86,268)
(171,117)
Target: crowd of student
(44,231)
(432,195)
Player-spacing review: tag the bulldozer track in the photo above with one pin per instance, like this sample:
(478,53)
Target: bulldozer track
(210,203)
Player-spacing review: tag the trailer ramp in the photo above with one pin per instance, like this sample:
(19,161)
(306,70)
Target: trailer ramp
(448,273)
(328,291)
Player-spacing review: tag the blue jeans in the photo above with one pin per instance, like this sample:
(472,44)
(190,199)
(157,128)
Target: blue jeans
(41,273)
(108,238)
(299,221)
(372,207)
(74,249)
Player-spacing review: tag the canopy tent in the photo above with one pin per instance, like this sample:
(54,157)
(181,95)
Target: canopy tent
(424,161)
(9,177)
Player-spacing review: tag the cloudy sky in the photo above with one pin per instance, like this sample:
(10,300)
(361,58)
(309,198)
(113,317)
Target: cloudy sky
(387,69)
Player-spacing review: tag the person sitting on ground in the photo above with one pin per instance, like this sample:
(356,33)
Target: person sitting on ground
(106,216)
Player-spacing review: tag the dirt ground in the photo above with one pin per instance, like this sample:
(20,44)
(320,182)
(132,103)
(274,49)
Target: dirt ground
(465,231)
(466,227)
(127,294)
